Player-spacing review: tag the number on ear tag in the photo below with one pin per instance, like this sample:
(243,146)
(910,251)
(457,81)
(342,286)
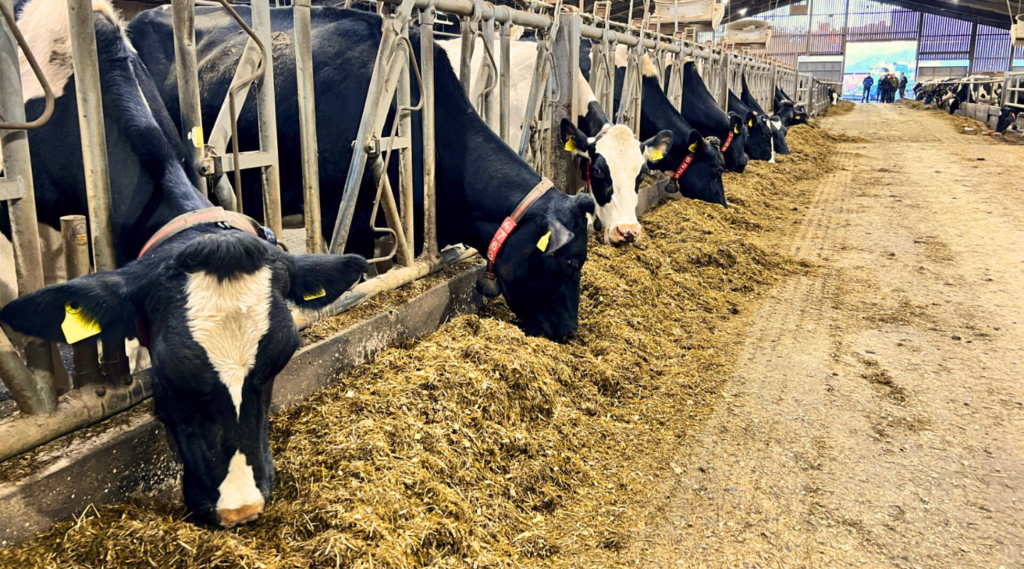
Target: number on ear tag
(544,240)
(78,325)
(656,155)
(693,147)
(320,293)
(570,144)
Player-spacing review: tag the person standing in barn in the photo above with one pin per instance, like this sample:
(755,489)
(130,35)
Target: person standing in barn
(868,82)
(883,88)
(903,85)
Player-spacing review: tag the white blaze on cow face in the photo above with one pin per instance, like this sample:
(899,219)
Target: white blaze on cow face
(228,318)
(240,500)
(622,154)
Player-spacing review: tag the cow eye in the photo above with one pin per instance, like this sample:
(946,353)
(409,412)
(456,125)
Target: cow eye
(571,266)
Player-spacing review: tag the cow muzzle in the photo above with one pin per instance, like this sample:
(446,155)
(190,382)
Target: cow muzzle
(625,233)
(239,516)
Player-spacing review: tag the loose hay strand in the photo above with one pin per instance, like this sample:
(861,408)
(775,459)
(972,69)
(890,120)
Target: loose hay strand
(477,446)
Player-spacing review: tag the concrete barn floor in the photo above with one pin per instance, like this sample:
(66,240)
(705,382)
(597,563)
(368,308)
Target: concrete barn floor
(876,417)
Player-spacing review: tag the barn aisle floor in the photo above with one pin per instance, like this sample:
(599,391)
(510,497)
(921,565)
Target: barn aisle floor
(876,417)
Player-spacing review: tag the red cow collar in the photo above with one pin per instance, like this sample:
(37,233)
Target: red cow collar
(200,217)
(509,225)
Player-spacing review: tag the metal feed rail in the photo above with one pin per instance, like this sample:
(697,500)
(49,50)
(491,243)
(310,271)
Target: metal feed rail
(92,397)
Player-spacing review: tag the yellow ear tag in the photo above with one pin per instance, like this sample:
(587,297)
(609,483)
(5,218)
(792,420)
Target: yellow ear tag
(693,147)
(320,293)
(543,243)
(78,325)
(656,155)
(570,144)
(736,129)
(751,123)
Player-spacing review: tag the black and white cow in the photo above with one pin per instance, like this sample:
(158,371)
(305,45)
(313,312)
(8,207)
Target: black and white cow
(612,161)
(779,130)
(695,162)
(702,112)
(212,299)
(761,135)
(833,96)
(480,180)
(787,110)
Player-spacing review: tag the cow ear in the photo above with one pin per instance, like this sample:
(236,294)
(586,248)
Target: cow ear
(318,280)
(584,204)
(100,304)
(555,238)
(751,117)
(694,142)
(574,139)
(655,148)
(736,122)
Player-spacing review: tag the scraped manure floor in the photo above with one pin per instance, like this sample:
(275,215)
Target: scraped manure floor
(479,447)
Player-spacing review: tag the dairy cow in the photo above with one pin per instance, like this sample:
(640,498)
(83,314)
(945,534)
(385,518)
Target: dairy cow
(207,290)
(790,112)
(612,161)
(779,129)
(694,162)
(482,184)
(761,135)
(702,112)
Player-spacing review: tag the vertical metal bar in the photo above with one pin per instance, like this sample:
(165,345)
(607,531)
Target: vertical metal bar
(973,47)
(267,111)
(394,219)
(566,51)
(307,126)
(405,177)
(465,64)
(33,389)
(427,16)
(724,63)
(88,89)
(490,110)
(183,24)
(76,258)
(506,81)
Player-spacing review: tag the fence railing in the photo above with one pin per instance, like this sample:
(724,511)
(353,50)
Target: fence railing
(1013,86)
(51,403)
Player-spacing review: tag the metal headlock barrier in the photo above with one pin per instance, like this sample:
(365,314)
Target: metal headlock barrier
(1013,86)
(819,99)
(51,403)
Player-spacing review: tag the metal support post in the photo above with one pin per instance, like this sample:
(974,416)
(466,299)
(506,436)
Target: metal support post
(268,120)
(76,258)
(405,177)
(724,64)
(566,51)
(505,87)
(183,23)
(307,126)
(427,16)
(489,109)
(468,26)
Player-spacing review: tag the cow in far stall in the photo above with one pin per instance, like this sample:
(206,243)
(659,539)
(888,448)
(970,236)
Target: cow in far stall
(791,113)
(833,96)
(612,161)
(694,161)
(761,139)
(208,291)
(779,130)
(702,112)
(488,198)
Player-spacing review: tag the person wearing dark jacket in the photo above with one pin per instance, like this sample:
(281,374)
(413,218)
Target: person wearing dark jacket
(868,82)
(883,89)
(903,85)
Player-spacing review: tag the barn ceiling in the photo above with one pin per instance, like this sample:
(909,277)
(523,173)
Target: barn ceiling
(988,12)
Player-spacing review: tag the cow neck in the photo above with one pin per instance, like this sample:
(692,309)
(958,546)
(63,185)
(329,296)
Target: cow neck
(656,104)
(478,174)
(699,108)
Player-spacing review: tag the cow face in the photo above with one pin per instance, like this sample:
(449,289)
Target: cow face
(759,142)
(736,156)
(215,311)
(1006,118)
(538,269)
(800,115)
(703,178)
(779,132)
(614,164)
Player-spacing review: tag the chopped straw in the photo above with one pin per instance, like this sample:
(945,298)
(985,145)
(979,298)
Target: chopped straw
(477,446)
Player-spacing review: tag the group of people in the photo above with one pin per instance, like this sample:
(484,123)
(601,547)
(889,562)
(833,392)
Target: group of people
(887,87)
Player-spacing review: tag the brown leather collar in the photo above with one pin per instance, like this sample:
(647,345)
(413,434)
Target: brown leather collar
(201,217)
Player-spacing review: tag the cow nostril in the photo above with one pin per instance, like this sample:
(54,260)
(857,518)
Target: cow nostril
(239,516)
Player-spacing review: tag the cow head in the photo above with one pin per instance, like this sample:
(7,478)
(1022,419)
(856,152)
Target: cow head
(1006,118)
(538,268)
(614,163)
(703,178)
(213,304)
(800,115)
(759,141)
(779,132)
(736,156)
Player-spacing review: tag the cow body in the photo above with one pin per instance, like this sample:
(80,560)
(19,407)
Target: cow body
(612,160)
(779,129)
(480,180)
(212,300)
(702,112)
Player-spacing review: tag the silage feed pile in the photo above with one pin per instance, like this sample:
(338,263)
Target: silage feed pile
(843,107)
(479,447)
